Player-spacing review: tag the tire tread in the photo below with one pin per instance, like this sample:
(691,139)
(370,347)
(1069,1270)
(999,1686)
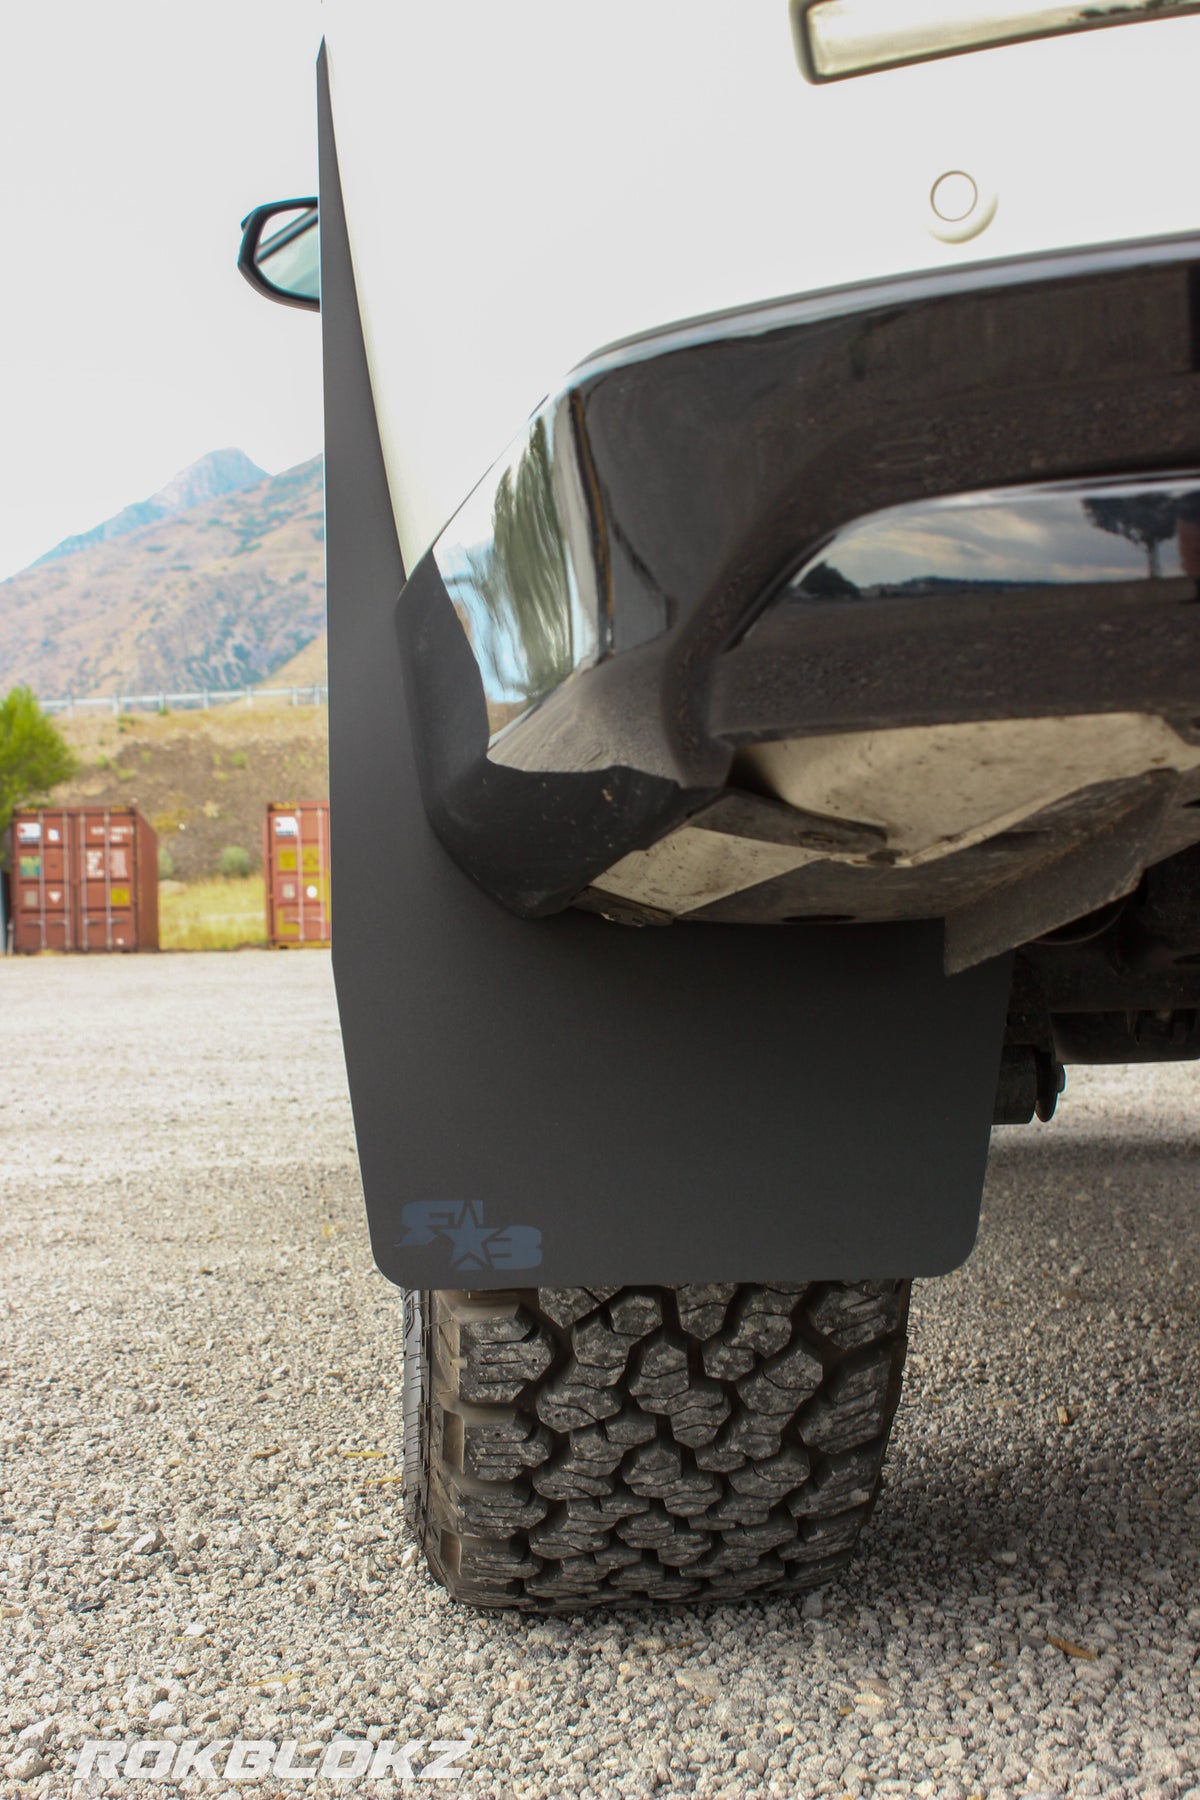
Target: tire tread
(587,1446)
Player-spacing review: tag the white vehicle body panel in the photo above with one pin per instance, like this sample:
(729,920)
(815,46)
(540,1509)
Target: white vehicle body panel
(529,182)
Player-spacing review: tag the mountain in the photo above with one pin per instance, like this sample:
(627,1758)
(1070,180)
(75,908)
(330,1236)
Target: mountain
(218,594)
(220,472)
(308,668)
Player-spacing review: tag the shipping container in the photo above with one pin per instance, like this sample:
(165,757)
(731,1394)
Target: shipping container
(296,867)
(83,878)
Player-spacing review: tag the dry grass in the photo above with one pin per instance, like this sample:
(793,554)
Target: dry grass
(212,915)
(92,733)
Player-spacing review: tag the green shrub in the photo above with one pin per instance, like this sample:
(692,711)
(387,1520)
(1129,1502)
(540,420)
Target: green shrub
(34,756)
(166,863)
(237,759)
(235,862)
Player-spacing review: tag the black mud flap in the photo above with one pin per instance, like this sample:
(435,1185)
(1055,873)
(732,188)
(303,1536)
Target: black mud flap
(571,1101)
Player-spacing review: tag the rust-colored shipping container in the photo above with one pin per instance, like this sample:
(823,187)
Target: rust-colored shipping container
(83,878)
(296,867)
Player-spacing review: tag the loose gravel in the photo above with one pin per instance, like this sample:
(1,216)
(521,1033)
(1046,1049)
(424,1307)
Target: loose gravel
(200,1502)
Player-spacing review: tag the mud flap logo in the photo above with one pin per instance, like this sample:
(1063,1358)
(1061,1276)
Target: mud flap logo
(473,1245)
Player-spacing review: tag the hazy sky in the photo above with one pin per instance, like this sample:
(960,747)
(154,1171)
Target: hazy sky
(134,135)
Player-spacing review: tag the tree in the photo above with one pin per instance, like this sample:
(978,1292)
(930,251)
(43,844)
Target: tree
(34,755)
(1146,520)
(521,616)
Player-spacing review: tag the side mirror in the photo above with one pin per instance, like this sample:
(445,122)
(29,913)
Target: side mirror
(280,253)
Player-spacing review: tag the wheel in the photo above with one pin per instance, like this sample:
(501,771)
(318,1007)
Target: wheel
(569,1447)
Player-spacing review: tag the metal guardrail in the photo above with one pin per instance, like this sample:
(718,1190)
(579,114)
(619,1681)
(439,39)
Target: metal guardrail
(205,700)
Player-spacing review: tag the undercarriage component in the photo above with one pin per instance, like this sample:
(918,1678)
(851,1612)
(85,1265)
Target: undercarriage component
(1030,1083)
(1123,984)
(1006,828)
(1128,1037)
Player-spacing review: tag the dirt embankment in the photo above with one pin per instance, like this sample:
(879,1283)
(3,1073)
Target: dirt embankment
(203,779)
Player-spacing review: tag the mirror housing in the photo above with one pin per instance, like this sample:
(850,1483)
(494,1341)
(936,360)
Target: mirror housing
(283,263)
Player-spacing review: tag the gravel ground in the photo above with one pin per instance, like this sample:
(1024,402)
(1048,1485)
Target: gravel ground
(200,1487)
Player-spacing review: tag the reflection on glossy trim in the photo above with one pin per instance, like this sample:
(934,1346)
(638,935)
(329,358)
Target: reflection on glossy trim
(508,566)
(1064,536)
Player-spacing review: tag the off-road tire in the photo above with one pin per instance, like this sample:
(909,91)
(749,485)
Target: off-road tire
(570,1447)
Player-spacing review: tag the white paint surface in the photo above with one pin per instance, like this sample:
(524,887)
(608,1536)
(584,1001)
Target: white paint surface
(526,183)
